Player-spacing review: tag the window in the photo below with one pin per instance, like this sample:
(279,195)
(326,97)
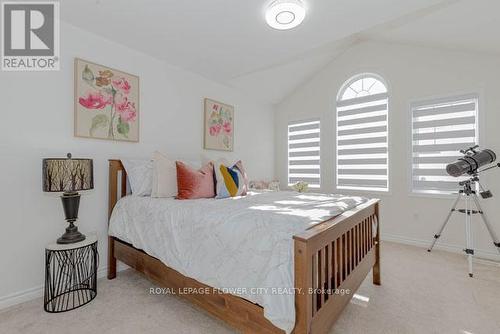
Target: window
(362,135)
(440,128)
(303,153)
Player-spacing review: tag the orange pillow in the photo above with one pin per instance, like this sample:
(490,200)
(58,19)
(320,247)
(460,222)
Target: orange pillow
(192,183)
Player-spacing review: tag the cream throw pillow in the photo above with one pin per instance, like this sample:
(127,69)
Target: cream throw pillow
(164,176)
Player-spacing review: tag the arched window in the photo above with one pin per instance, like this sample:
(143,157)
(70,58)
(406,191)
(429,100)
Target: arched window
(362,134)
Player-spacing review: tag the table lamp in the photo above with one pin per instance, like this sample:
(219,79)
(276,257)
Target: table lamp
(68,175)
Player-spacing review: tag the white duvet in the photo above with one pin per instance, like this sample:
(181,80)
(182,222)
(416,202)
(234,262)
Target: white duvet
(235,244)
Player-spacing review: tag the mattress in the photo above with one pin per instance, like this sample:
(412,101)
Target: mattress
(241,245)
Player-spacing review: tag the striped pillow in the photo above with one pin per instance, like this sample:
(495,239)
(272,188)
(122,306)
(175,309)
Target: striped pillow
(231,181)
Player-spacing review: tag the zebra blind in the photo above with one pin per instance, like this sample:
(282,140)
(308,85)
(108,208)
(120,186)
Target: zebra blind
(304,153)
(440,128)
(362,141)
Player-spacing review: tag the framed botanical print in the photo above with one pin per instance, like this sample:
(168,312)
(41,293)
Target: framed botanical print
(106,103)
(219,126)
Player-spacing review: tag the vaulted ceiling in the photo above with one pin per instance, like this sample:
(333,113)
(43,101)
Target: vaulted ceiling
(466,25)
(229,42)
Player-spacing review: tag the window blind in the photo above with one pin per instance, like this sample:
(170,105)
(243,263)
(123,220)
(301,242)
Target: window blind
(362,143)
(304,153)
(440,128)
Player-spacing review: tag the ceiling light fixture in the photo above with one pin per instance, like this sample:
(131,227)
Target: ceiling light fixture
(285,14)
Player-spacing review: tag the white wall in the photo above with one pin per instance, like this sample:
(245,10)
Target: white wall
(412,73)
(37,121)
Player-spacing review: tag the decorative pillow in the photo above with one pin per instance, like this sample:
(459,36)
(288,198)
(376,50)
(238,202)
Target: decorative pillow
(192,183)
(231,181)
(164,176)
(239,165)
(139,174)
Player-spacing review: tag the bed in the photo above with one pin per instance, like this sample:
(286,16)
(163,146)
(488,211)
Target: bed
(324,254)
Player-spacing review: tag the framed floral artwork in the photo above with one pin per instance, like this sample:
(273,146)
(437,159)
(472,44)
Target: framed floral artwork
(219,126)
(106,103)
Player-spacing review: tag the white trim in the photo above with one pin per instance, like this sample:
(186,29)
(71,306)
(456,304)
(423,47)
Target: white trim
(481,255)
(37,291)
(21,297)
(304,121)
(294,123)
(444,99)
(478,95)
(355,77)
(433,195)
(338,100)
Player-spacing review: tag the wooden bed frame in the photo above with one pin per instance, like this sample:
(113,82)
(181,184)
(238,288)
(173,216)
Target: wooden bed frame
(336,254)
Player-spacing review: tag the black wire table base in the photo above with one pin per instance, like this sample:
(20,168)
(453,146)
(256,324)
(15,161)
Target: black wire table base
(70,278)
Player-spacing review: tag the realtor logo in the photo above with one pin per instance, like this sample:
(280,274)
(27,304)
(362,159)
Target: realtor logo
(30,36)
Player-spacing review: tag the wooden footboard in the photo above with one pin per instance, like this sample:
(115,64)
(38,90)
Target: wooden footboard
(331,261)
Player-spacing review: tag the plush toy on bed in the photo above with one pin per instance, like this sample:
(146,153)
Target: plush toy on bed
(265,185)
(301,186)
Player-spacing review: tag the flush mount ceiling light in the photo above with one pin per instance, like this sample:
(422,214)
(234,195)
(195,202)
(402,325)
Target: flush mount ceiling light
(285,14)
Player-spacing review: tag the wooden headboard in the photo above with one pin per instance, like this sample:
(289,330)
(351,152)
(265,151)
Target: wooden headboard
(116,170)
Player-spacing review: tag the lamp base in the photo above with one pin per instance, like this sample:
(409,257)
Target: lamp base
(71,203)
(71,236)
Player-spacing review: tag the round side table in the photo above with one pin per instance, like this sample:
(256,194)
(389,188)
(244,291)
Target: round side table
(70,275)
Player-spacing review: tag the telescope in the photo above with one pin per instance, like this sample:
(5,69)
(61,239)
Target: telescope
(472,160)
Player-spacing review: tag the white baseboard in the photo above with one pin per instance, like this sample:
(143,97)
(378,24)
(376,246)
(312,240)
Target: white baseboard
(33,293)
(21,297)
(482,256)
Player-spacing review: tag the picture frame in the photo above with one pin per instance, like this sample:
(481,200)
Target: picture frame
(106,103)
(218,126)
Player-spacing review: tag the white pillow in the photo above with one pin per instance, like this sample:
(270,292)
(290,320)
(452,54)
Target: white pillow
(164,176)
(140,175)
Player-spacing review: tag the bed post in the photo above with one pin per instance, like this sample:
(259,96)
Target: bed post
(114,167)
(376,266)
(303,281)
(111,258)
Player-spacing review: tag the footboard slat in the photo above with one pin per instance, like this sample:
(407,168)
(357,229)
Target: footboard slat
(363,236)
(315,283)
(334,263)
(371,230)
(356,245)
(353,249)
(330,266)
(322,274)
(368,232)
(347,262)
(342,252)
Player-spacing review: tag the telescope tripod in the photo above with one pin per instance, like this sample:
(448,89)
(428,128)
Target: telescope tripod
(467,193)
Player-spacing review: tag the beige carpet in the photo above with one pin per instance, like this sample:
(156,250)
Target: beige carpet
(421,293)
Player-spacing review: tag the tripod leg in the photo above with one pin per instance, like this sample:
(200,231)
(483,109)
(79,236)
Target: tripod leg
(493,235)
(437,235)
(468,234)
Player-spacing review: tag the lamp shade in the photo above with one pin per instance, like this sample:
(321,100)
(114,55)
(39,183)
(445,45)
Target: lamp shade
(67,174)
